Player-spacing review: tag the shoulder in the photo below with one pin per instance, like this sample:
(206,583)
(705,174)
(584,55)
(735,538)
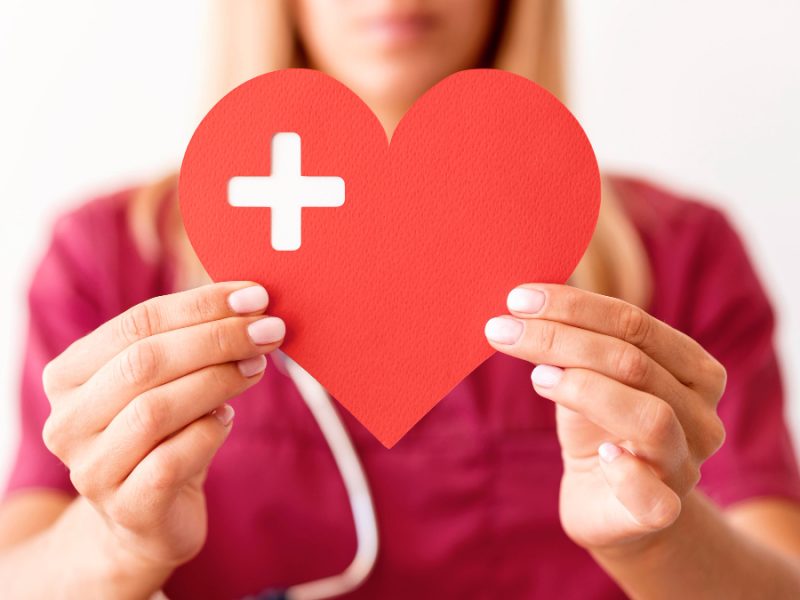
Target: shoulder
(86,227)
(660,213)
(91,255)
(698,258)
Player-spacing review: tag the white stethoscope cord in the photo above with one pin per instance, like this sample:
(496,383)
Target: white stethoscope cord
(355,483)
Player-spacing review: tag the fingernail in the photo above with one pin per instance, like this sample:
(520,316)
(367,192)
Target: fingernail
(266,330)
(525,300)
(252,366)
(224,414)
(546,376)
(249,299)
(503,330)
(609,452)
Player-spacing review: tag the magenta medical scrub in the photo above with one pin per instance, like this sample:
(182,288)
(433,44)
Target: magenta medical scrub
(467,502)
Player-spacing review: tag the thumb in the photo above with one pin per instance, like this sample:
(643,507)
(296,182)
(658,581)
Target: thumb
(651,503)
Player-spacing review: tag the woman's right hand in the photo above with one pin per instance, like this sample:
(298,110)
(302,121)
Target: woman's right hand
(138,411)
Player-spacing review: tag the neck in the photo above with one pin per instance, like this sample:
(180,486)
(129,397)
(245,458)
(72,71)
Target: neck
(389,114)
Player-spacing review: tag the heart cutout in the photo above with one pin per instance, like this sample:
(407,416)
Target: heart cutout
(488,182)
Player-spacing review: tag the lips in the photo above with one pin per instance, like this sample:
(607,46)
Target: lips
(399,30)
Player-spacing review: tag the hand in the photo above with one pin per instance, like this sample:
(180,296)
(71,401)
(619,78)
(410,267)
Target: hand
(138,411)
(635,407)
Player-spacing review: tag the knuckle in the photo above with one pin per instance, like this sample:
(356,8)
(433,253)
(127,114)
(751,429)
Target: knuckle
(122,512)
(220,338)
(147,413)
(661,513)
(546,336)
(82,477)
(657,421)
(220,377)
(163,475)
(50,379)
(139,363)
(698,476)
(634,324)
(722,374)
(209,436)
(139,322)
(718,375)
(719,433)
(578,386)
(713,436)
(571,302)
(205,307)
(691,476)
(52,435)
(633,365)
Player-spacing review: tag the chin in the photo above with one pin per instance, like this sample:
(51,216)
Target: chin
(397,83)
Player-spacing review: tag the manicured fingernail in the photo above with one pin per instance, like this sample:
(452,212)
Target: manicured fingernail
(546,376)
(224,414)
(249,299)
(503,330)
(609,452)
(266,330)
(252,366)
(525,300)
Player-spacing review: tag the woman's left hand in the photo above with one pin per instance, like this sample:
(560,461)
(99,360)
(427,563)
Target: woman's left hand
(635,407)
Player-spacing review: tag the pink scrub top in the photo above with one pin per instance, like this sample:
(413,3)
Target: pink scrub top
(467,502)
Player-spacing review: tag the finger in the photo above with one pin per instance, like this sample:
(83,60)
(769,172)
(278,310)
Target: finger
(160,412)
(549,342)
(648,501)
(156,360)
(675,351)
(159,477)
(647,422)
(157,315)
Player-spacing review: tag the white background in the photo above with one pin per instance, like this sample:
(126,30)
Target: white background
(700,95)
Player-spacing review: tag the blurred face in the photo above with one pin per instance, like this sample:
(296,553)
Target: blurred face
(389,52)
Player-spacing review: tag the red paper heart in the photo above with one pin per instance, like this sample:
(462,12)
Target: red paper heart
(489,182)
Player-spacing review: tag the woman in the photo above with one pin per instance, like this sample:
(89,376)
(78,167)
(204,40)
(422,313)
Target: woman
(497,493)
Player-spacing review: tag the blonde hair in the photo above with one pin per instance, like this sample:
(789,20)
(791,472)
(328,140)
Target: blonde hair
(257,36)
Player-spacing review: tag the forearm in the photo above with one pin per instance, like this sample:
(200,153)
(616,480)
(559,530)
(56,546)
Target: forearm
(76,557)
(701,556)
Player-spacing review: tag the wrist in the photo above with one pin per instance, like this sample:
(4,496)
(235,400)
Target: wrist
(106,567)
(128,570)
(654,546)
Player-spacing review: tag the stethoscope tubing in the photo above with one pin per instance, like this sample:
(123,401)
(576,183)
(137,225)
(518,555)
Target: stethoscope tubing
(356,485)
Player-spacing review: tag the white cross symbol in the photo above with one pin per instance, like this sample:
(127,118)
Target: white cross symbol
(285,192)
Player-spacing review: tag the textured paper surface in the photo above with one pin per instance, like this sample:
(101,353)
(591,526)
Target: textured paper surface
(488,182)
